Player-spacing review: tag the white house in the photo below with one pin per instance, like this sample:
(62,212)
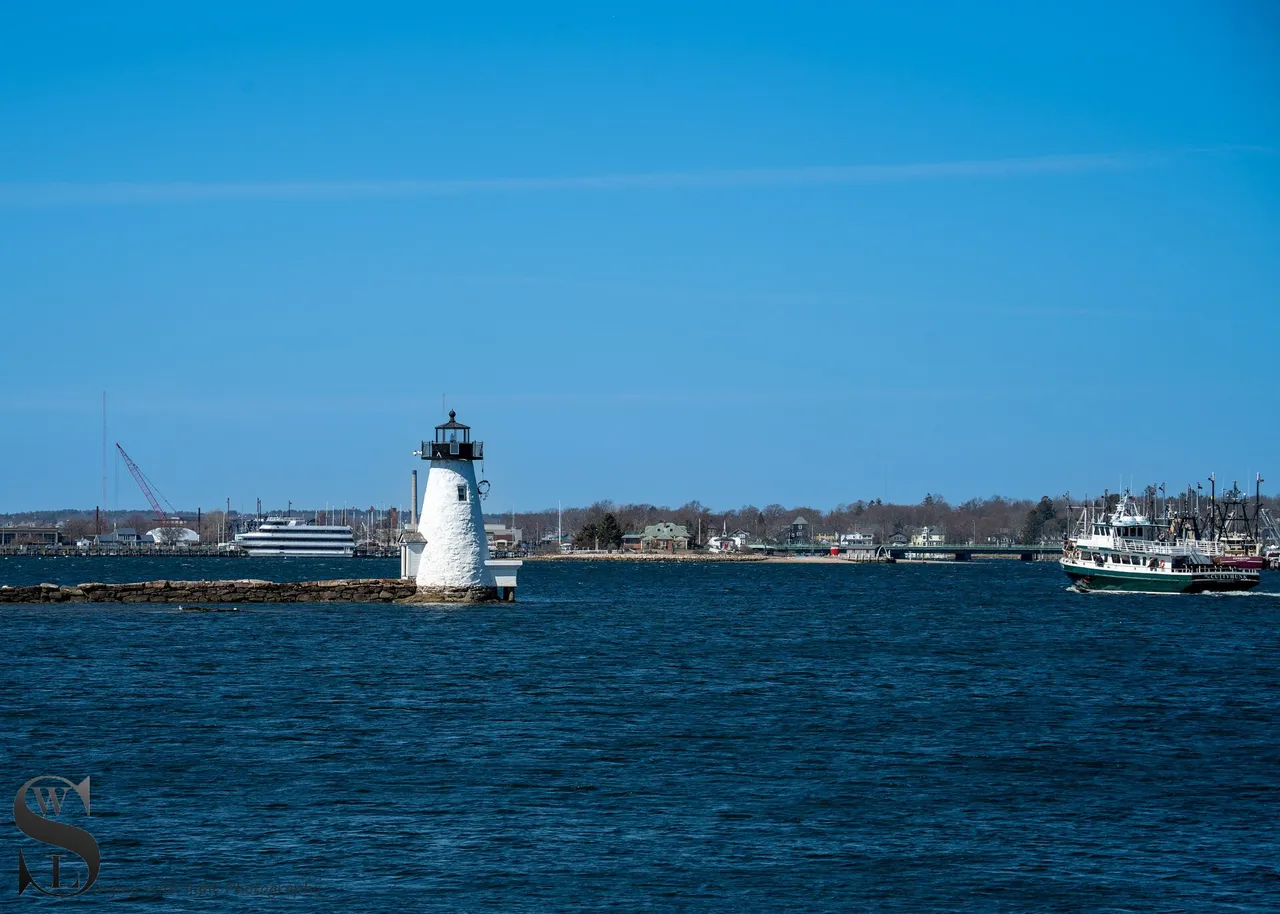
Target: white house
(721,544)
(928,537)
(729,542)
(857,540)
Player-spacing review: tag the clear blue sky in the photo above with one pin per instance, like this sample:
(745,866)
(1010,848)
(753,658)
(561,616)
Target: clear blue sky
(738,252)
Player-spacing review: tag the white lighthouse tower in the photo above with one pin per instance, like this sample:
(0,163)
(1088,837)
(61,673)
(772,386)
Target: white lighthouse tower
(453,564)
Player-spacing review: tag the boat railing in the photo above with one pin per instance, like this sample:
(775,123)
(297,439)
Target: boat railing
(1147,547)
(1156,547)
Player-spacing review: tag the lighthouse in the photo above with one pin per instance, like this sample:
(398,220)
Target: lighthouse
(450,557)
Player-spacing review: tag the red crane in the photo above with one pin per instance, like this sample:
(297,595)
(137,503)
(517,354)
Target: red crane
(146,489)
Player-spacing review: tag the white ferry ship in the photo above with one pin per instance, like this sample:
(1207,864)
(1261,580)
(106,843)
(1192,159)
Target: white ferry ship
(294,536)
(1125,550)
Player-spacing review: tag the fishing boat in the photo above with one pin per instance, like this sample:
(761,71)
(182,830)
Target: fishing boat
(1123,549)
(1227,545)
(1236,539)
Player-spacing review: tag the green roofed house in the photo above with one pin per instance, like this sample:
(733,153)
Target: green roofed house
(665,537)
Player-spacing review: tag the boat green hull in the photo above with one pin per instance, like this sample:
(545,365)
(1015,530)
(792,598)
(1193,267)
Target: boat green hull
(1100,578)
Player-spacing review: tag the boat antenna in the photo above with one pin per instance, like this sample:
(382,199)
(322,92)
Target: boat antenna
(1257,506)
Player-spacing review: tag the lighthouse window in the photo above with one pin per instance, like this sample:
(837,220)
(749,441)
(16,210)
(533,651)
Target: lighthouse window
(462,493)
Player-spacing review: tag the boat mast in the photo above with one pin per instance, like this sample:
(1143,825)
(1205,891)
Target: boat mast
(1257,507)
(1213,506)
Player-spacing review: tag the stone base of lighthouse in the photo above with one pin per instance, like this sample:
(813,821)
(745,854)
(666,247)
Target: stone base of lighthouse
(498,585)
(477,593)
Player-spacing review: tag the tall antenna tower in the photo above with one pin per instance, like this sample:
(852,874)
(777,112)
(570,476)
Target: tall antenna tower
(104,450)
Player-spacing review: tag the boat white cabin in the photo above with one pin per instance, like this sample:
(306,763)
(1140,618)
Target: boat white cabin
(294,536)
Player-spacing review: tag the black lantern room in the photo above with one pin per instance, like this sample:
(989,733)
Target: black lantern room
(453,442)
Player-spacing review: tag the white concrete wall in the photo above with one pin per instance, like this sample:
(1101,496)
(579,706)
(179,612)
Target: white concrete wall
(454,530)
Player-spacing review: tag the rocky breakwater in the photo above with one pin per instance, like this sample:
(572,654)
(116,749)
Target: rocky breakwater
(359,590)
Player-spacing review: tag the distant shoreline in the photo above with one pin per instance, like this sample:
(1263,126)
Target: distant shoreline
(739,558)
(646,557)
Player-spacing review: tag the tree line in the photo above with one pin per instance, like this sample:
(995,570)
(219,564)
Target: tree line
(976,520)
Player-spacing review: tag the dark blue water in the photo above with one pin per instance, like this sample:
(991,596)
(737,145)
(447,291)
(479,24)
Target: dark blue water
(894,738)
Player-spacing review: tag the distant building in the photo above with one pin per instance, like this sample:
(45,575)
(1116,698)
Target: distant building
(928,536)
(564,542)
(665,537)
(632,542)
(500,536)
(857,540)
(798,532)
(729,542)
(30,536)
(897,539)
(122,537)
(174,536)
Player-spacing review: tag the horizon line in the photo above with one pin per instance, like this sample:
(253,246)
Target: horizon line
(70,193)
